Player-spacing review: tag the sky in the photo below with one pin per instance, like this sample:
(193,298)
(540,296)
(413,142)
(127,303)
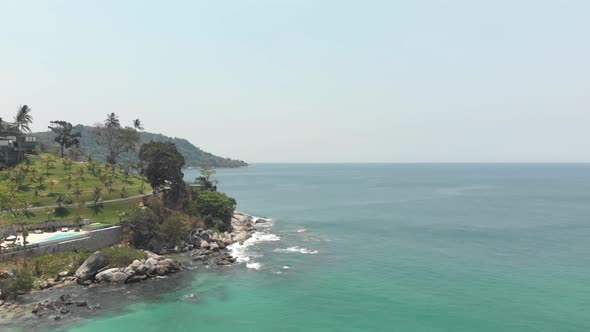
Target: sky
(313,80)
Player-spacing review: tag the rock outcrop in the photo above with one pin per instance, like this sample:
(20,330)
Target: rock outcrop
(154,265)
(91,266)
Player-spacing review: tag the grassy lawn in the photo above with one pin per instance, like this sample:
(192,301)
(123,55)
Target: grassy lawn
(76,183)
(106,214)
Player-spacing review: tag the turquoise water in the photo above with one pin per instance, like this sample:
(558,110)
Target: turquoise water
(62,236)
(392,248)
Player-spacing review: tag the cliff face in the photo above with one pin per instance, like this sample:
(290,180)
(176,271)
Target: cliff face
(193,155)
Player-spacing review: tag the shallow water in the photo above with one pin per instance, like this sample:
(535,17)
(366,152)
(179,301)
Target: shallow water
(388,248)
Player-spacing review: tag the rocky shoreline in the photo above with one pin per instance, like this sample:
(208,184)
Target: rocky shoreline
(205,248)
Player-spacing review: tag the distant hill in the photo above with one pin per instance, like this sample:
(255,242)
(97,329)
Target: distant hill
(192,154)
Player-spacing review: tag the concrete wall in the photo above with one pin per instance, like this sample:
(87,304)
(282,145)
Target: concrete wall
(97,239)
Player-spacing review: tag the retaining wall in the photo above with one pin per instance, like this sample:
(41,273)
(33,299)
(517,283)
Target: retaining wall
(93,240)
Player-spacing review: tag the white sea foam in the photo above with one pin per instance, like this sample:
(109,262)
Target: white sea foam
(301,230)
(242,252)
(254,265)
(286,267)
(298,250)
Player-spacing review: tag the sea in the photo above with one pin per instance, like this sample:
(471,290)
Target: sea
(384,247)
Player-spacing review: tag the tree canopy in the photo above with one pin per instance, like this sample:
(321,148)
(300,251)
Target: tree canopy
(161,164)
(64,135)
(114,138)
(23,119)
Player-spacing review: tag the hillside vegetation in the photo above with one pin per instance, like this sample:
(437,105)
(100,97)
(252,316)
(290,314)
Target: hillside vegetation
(73,189)
(193,156)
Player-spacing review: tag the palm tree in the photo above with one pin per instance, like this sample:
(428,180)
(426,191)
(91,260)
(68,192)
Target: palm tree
(137,124)
(23,119)
(112,121)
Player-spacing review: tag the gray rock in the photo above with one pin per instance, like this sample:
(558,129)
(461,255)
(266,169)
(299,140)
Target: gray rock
(136,278)
(162,270)
(82,303)
(214,247)
(107,275)
(205,244)
(119,277)
(129,271)
(90,267)
(141,269)
(150,262)
(242,236)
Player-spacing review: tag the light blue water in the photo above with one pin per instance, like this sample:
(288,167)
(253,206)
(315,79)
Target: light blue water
(62,236)
(399,248)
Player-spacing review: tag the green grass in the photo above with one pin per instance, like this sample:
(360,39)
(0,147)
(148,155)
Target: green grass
(50,265)
(106,214)
(55,184)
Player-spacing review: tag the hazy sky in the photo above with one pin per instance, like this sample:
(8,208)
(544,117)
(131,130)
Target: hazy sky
(313,80)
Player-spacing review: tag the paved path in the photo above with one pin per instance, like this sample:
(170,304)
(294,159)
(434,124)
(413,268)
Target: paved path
(36,208)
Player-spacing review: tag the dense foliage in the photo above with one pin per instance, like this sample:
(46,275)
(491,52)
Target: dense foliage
(65,135)
(21,283)
(155,227)
(216,208)
(114,139)
(161,164)
(192,154)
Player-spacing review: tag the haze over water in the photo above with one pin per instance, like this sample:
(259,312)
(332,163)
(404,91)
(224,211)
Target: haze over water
(393,248)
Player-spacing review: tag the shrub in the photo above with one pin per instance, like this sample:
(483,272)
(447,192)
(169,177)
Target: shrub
(49,265)
(21,283)
(144,229)
(217,209)
(175,229)
(120,256)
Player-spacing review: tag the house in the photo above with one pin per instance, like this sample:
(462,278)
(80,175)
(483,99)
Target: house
(14,144)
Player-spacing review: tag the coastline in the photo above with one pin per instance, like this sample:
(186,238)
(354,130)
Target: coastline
(65,298)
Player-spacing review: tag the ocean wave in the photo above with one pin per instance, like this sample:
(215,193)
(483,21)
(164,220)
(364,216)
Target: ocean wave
(241,252)
(301,230)
(254,265)
(298,250)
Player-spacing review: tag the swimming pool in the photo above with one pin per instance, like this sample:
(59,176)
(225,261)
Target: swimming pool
(62,236)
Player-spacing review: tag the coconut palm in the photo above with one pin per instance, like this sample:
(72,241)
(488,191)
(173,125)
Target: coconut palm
(23,119)
(112,121)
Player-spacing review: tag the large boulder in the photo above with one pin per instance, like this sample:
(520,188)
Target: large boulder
(107,275)
(119,277)
(242,236)
(170,265)
(91,266)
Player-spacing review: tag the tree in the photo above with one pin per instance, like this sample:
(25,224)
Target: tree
(52,183)
(13,202)
(144,230)
(114,138)
(64,135)
(96,197)
(120,215)
(206,179)
(217,209)
(161,164)
(49,164)
(137,124)
(112,121)
(23,119)
(49,212)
